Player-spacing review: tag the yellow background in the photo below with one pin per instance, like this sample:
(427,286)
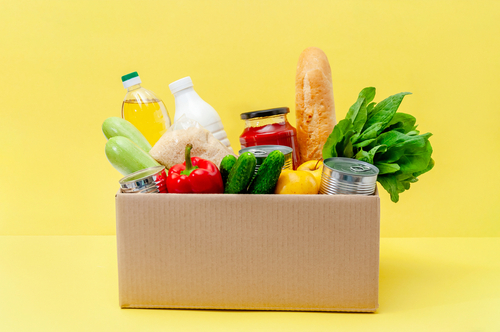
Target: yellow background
(61,64)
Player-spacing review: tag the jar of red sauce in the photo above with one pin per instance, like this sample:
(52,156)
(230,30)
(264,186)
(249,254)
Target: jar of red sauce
(270,127)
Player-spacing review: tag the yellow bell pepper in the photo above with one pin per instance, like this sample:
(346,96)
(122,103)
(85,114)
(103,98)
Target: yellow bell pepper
(315,167)
(296,182)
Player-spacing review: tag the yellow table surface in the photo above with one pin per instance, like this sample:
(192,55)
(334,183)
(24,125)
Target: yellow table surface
(70,283)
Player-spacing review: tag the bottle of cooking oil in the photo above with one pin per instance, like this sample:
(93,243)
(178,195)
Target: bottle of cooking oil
(144,109)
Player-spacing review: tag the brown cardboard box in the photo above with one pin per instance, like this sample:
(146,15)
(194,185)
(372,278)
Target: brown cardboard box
(255,252)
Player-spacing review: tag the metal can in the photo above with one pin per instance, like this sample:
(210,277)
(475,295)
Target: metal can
(146,181)
(262,151)
(346,176)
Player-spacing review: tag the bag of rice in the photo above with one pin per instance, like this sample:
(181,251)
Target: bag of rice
(170,148)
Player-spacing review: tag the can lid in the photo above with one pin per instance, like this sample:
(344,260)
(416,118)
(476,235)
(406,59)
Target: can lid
(143,173)
(269,112)
(351,166)
(265,150)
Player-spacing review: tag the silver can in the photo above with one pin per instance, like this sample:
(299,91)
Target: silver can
(146,181)
(346,176)
(262,151)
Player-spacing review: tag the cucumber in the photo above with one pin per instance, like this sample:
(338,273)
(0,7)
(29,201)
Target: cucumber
(225,166)
(241,174)
(114,126)
(267,176)
(126,156)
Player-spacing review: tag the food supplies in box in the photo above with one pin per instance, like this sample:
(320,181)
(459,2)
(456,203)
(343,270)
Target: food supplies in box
(248,252)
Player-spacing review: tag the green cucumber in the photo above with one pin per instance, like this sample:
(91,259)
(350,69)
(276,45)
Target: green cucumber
(241,174)
(126,156)
(267,176)
(225,166)
(114,126)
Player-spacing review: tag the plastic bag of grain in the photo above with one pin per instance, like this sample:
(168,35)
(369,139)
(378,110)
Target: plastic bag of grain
(170,148)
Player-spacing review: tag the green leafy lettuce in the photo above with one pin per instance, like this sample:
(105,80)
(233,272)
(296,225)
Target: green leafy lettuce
(379,135)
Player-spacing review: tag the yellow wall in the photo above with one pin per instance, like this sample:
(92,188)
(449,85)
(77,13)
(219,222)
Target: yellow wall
(61,63)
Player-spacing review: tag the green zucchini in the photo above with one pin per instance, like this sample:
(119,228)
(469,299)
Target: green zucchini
(115,126)
(126,156)
(267,176)
(241,174)
(225,166)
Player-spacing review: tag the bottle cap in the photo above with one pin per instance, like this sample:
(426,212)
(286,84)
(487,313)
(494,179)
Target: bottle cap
(131,79)
(181,84)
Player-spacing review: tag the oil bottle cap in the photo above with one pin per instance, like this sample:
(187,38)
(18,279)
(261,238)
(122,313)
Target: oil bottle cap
(181,84)
(131,79)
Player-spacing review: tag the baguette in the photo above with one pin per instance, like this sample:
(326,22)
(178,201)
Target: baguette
(314,106)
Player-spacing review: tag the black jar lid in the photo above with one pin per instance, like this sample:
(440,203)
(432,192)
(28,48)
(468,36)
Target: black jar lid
(269,112)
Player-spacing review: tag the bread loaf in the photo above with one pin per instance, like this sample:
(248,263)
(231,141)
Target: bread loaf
(314,105)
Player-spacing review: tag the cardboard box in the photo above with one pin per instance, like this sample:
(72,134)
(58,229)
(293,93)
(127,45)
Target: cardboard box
(248,252)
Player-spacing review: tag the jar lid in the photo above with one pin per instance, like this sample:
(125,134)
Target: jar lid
(269,112)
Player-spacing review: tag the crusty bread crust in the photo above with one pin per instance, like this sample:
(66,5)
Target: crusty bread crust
(314,106)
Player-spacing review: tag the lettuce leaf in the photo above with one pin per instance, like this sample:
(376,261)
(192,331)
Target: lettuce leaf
(335,138)
(378,134)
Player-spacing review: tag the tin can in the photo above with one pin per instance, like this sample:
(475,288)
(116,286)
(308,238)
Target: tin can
(262,151)
(346,176)
(146,181)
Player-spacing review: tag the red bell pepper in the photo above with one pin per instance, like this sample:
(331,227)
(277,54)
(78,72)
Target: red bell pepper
(195,175)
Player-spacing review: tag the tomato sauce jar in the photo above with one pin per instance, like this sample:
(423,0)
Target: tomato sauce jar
(270,127)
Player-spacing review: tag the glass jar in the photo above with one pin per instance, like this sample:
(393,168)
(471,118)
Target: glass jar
(270,127)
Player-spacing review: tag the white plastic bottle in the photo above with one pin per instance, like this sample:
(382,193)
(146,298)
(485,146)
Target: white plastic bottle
(189,103)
